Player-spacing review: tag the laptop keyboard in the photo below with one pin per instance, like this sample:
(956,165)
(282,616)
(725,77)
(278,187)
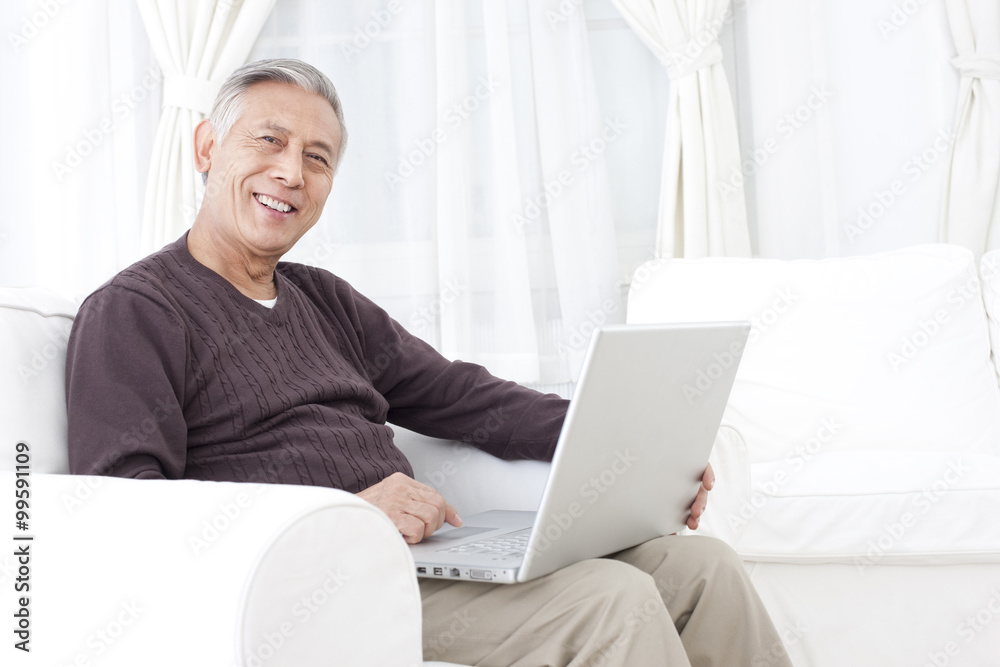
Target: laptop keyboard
(509,544)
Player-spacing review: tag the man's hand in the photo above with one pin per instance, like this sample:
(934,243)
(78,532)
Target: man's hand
(701,499)
(415,508)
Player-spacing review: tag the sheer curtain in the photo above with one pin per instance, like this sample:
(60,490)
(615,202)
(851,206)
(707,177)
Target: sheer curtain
(845,109)
(82,95)
(972,193)
(702,208)
(498,189)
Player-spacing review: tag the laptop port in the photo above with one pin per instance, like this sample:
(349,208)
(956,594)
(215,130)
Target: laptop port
(455,573)
(439,571)
(482,575)
(421,570)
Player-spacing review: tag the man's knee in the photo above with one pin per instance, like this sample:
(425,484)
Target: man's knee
(623,610)
(682,558)
(607,573)
(614,585)
(710,551)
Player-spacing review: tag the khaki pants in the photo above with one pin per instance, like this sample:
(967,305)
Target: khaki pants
(674,601)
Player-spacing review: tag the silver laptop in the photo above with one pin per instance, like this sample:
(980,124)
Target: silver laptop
(628,462)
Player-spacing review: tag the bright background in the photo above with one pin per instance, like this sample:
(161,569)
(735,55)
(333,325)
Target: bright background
(838,102)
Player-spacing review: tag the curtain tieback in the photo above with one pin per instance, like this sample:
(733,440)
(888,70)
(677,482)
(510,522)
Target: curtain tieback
(189,92)
(695,56)
(978,66)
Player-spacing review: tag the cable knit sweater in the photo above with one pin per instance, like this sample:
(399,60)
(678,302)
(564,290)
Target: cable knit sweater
(173,373)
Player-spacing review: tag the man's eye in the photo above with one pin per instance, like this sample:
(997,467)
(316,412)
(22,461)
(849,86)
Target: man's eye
(319,158)
(270,140)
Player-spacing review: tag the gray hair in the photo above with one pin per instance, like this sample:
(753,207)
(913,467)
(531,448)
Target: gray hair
(228,106)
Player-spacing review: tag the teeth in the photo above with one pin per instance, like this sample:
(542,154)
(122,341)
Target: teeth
(271,203)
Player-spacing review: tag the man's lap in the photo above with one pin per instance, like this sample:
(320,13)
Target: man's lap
(618,597)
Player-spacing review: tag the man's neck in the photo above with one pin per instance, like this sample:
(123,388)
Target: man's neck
(252,276)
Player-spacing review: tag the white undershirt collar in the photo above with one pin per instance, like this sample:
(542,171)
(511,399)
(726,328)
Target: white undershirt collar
(267,303)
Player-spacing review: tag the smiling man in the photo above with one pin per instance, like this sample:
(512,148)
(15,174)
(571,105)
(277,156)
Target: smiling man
(210,359)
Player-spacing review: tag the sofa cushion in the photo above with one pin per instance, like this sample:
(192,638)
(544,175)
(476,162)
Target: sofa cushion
(34,330)
(873,508)
(883,352)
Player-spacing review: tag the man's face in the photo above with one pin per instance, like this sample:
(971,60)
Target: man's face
(270,177)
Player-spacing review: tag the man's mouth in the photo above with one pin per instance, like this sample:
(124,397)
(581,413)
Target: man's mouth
(273,204)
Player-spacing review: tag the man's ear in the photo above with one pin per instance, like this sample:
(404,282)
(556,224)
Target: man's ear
(204,144)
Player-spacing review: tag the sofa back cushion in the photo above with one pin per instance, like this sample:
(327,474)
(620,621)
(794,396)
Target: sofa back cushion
(883,352)
(34,330)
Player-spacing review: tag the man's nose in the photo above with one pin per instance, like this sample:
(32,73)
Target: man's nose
(287,168)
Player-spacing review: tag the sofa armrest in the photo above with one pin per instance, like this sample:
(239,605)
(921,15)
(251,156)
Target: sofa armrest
(469,478)
(127,572)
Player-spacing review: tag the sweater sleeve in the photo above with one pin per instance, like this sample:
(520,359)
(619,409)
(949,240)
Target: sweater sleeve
(455,400)
(124,387)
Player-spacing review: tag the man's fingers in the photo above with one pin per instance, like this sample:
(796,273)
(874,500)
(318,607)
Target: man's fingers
(410,527)
(416,509)
(423,514)
(431,507)
(431,518)
(698,506)
(701,501)
(708,478)
(451,516)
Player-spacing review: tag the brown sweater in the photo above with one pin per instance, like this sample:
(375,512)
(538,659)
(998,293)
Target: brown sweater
(172,372)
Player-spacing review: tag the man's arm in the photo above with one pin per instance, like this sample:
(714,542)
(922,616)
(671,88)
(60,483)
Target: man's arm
(454,400)
(124,387)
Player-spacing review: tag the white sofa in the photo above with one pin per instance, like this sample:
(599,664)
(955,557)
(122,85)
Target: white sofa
(868,401)
(858,465)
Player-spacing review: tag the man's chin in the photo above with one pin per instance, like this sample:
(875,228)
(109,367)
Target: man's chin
(265,236)
(261,245)
(269,240)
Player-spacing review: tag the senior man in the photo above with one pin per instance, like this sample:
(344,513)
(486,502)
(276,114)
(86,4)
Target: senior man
(257,371)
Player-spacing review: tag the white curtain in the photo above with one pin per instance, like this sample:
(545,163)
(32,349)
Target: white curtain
(198,44)
(702,208)
(844,110)
(82,94)
(972,193)
(475,201)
